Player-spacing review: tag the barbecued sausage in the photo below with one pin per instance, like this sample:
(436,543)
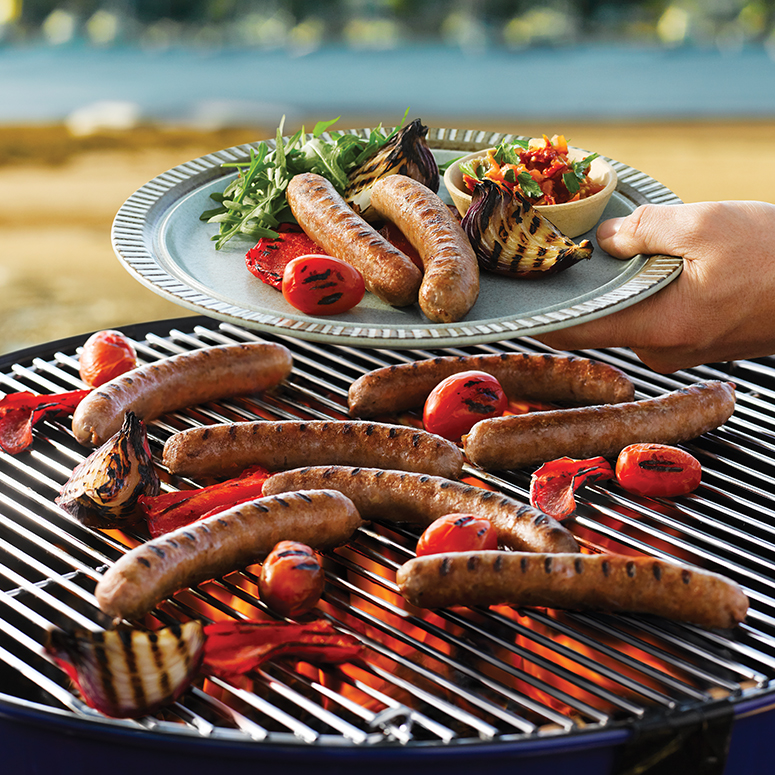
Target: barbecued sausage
(450,284)
(275,445)
(399,496)
(182,380)
(222,543)
(548,378)
(330,222)
(517,441)
(605,582)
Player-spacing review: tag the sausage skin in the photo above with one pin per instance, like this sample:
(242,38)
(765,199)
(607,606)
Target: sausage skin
(548,378)
(275,445)
(223,543)
(330,222)
(183,380)
(603,582)
(450,284)
(400,496)
(517,441)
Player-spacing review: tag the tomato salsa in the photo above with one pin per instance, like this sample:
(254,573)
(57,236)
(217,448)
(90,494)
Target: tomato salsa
(539,168)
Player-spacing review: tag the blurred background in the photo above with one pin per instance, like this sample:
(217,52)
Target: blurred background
(99,96)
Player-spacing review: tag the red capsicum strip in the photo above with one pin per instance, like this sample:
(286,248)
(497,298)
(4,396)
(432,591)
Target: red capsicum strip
(176,509)
(21,412)
(268,259)
(235,648)
(554,484)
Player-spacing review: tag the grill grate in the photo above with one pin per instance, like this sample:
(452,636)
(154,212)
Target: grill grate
(462,675)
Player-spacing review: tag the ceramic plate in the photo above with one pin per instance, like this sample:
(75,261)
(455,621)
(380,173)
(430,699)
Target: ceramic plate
(158,237)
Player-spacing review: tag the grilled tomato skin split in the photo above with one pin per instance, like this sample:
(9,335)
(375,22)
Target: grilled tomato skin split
(458,402)
(105,355)
(657,470)
(457,533)
(292,579)
(322,285)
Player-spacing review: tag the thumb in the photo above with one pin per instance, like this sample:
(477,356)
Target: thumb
(646,230)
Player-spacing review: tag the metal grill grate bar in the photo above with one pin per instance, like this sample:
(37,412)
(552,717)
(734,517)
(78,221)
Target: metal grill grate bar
(427,677)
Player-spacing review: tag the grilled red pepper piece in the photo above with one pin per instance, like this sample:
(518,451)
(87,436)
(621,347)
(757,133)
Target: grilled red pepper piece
(268,259)
(553,485)
(657,470)
(175,509)
(20,412)
(235,648)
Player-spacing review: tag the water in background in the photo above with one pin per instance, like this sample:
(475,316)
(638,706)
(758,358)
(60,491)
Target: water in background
(237,86)
(212,64)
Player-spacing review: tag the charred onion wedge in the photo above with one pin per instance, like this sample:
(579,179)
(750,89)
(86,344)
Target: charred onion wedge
(406,153)
(510,237)
(129,673)
(104,489)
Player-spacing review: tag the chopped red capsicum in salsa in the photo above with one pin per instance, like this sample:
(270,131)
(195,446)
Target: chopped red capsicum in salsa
(539,169)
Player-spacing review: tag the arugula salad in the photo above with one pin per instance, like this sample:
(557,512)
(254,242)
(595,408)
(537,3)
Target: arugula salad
(253,204)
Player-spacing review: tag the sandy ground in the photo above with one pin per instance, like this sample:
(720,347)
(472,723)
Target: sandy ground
(59,276)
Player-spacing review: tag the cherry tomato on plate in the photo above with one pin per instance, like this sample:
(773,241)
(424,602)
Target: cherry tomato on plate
(458,402)
(657,470)
(105,355)
(457,533)
(322,285)
(292,579)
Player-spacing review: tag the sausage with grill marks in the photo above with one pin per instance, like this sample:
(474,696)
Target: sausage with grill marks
(546,377)
(183,380)
(329,221)
(450,284)
(399,496)
(518,441)
(603,582)
(283,444)
(222,543)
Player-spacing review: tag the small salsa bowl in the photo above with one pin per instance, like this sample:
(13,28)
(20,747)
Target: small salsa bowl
(571,218)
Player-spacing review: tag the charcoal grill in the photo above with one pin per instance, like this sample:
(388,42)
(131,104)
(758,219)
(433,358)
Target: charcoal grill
(458,688)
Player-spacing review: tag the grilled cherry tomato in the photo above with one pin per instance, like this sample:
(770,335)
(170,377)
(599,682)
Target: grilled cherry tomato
(322,285)
(105,355)
(292,579)
(457,533)
(657,470)
(458,402)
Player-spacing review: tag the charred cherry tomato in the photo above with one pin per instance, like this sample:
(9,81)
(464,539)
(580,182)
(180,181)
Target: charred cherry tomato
(322,285)
(105,355)
(457,533)
(292,579)
(458,402)
(657,470)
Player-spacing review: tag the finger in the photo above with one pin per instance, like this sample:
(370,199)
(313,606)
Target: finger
(648,230)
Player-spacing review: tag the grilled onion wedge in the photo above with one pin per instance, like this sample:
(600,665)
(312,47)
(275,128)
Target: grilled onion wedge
(126,672)
(510,237)
(104,489)
(406,153)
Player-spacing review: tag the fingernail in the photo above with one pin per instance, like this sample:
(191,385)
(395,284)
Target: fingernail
(609,228)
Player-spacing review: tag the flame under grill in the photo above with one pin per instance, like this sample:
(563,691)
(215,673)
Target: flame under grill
(456,676)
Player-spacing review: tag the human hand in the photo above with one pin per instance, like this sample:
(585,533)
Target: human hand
(722,305)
